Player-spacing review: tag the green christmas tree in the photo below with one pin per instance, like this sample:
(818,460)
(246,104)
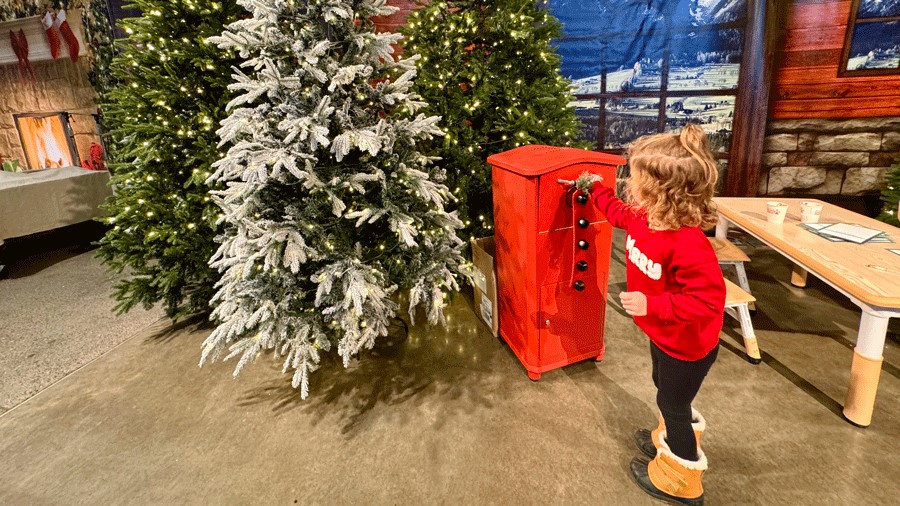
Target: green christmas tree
(891,197)
(169,96)
(489,71)
(330,206)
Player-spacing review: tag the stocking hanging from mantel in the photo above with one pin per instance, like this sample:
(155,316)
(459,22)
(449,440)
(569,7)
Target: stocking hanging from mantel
(52,34)
(67,34)
(20,47)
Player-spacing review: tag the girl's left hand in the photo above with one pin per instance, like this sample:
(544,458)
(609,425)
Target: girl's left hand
(635,303)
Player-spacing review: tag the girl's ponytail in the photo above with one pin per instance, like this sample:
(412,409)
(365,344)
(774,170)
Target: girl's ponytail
(694,140)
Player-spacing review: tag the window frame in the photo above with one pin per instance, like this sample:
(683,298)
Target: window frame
(848,41)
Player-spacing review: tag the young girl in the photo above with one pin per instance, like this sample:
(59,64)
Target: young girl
(676,295)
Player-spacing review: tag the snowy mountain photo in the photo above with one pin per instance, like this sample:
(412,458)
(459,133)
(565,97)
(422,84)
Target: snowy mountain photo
(629,42)
(878,8)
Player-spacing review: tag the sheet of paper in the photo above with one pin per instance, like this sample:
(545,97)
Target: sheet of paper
(895,251)
(850,232)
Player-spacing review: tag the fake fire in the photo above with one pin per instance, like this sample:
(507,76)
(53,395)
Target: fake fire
(45,141)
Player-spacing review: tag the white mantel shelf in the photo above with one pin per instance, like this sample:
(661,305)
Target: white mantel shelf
(38,46)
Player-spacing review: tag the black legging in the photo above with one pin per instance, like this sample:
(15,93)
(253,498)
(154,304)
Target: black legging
(677,382)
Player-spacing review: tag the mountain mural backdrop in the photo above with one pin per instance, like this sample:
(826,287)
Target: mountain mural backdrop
(630,42)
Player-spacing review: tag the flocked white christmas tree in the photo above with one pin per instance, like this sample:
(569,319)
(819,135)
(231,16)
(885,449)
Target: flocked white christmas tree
(330,209)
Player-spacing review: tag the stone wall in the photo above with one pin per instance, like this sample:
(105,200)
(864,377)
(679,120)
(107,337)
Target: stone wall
(829,157)
(61,86)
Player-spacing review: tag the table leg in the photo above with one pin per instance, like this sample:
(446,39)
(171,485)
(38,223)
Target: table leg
(866,369)
(798,276)
(750,343)
(722,228)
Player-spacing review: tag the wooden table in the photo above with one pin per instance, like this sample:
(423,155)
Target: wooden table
(869,274)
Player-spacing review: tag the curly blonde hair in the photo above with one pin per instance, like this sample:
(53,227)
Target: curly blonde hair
(673,178)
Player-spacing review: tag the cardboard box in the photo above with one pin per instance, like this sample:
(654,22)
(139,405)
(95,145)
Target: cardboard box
(483,252)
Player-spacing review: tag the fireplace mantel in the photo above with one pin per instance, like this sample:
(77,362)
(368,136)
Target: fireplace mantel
(38,47)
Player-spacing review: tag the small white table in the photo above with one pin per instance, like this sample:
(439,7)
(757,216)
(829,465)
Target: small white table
(868,274)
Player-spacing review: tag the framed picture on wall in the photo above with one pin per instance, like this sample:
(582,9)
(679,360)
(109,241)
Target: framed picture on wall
(872,43)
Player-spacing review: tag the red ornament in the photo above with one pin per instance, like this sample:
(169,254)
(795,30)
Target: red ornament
(68,34)
(52,34)
(97,162)
(463,86)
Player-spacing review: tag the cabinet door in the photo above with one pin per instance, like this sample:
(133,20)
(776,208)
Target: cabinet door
(572,322)
(555,250)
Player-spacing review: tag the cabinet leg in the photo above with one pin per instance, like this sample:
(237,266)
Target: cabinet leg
(534,376)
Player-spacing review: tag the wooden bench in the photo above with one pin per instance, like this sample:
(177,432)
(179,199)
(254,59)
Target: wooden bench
(729,254)
(737,302)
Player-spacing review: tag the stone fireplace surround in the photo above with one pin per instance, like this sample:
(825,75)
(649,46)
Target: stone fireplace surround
(61,86)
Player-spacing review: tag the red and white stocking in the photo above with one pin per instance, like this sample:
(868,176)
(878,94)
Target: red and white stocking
(52,34)
(67,34)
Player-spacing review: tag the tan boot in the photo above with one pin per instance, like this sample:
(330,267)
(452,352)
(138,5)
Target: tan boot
(648,441)
(669,477)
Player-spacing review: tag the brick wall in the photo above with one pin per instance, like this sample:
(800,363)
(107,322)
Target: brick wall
(61,86)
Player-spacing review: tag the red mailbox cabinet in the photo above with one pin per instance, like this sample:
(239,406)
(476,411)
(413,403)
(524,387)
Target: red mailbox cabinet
(553,251)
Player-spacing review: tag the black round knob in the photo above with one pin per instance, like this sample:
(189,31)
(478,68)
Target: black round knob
(581,266)
(581,199)
(583,223)
(579,285)
(583,244)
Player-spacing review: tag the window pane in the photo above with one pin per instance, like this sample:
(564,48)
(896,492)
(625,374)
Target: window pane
(878,8)
(715,114)
(640,77)
(630,118)
(875,45)
(706,60)
(588,111)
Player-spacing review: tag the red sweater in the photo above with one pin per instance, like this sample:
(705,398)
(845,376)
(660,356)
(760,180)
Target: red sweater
(678,272)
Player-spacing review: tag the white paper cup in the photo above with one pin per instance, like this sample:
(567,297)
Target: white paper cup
(810,212)
(776,211)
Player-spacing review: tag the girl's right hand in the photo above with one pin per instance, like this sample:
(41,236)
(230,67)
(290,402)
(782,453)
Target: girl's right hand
(586,181)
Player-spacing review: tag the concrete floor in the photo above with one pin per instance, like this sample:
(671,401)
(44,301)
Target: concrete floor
(449,417)
(56,313)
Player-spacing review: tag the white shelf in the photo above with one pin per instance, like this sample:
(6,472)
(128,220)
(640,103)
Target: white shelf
(38,46)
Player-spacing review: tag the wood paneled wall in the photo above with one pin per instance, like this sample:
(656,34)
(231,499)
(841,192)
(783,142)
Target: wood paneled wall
(396,20)
(806,80)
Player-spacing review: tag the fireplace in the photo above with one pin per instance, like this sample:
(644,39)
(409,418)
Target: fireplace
(47,140)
